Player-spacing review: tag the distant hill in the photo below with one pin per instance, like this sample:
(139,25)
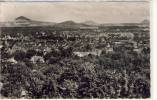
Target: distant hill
(22,18)
(145,21)
(25,22)
(70,24)
(92,23)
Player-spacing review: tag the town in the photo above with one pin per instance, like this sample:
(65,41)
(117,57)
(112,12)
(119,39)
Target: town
(71,60)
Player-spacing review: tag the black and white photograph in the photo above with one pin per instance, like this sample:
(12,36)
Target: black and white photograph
(75,50)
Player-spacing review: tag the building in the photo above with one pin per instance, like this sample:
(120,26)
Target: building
(95,52)
(109,49)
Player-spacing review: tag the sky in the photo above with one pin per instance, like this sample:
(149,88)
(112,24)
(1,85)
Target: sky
(100,12)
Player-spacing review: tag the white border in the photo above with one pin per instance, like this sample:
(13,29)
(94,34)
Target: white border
(154,50)
(153,43)
(75,0)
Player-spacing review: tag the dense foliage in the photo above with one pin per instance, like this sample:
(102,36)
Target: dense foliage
(74,77)
(59,73)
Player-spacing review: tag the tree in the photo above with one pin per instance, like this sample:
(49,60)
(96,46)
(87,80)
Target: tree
(19,55)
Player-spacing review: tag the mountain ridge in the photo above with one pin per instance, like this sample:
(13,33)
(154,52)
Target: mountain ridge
(23,21)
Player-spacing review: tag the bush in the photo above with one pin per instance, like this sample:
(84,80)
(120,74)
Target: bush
(19,55)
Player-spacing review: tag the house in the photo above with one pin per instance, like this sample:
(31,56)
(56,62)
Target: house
(37,59)
(109,49)
(138,50)
(12,60)
(95,52)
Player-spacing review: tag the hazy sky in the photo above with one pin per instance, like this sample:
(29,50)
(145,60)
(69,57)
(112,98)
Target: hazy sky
(100,12)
